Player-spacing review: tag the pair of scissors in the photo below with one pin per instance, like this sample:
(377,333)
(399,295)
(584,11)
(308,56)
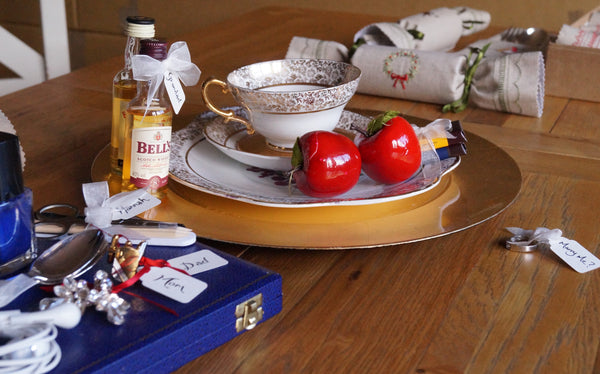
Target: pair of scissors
(55,220)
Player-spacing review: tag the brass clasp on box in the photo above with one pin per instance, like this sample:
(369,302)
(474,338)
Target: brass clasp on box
(249,313)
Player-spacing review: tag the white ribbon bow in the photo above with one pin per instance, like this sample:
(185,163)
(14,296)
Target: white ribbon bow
(540,235)
(177,66)
(102,209)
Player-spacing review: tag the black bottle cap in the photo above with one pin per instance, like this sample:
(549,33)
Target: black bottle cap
(11,176)
(154,48)
(140,20)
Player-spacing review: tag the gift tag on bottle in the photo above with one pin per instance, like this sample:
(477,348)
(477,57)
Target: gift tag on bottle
(175,91)
(574,254)
(173,284)
(198,262)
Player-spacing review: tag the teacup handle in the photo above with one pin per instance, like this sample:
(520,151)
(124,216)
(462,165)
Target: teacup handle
(229,115)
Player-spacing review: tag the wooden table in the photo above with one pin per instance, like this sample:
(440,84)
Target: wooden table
(458,303)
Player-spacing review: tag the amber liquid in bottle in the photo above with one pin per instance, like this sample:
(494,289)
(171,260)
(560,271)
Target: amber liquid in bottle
(123,91)
(148,138)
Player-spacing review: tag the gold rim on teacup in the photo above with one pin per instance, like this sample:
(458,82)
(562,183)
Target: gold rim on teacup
(286,98)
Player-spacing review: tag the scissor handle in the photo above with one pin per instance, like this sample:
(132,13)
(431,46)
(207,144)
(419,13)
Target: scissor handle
(46,212)
(55,220)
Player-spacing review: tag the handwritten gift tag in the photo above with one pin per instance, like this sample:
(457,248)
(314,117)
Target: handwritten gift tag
(570,251)
(175,91)
(198,262)
(102,209)
(131,203)
(173,284)
(574,254)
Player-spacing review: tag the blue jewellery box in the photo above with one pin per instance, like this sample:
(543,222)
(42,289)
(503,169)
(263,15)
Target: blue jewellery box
(239,295)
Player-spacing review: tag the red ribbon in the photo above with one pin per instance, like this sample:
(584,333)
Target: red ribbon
(399,78)
(147,263)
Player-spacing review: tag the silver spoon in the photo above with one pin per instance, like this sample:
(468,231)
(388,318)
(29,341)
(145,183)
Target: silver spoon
(71,256)
(533,38)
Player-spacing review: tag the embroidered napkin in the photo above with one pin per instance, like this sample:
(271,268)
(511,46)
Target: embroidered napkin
(511,83)
(504,79)
(588,35)
(301,47)
(436,30)
(579,37)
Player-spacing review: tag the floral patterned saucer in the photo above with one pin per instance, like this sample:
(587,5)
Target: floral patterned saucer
(232,139)
(196,163)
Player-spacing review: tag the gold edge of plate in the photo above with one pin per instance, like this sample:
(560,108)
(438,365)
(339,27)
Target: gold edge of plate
(458,202)
(327,227)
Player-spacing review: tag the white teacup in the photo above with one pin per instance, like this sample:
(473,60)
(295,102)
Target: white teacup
(284,99)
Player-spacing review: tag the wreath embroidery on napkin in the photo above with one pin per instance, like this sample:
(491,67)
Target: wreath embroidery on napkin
(402,73)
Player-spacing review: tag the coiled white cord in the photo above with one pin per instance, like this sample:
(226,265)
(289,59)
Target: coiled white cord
(31,347)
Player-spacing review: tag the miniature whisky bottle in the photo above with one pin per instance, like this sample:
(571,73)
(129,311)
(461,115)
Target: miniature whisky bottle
(125,88)
(148,133)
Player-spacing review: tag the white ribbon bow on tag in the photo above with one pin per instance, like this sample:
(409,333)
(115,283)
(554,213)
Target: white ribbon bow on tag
(102,209)
(540,235)
(177,66)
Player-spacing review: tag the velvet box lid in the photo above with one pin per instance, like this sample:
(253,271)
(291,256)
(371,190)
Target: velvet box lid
(154,340)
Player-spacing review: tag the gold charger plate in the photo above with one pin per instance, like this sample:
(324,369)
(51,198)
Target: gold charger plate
(485,183)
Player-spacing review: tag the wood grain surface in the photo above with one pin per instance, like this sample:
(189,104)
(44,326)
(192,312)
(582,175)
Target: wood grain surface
(455,304)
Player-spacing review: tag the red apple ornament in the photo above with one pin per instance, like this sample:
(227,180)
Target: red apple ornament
(325,164)
(390,150)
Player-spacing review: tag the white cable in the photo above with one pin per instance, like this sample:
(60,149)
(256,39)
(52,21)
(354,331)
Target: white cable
(31,350)
(32,346)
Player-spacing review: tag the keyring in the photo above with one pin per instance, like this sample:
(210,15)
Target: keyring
(515,244)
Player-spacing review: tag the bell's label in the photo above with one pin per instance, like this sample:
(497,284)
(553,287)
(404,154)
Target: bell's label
(150,152)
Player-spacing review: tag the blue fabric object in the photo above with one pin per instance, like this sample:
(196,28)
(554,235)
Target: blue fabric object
(153,340)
